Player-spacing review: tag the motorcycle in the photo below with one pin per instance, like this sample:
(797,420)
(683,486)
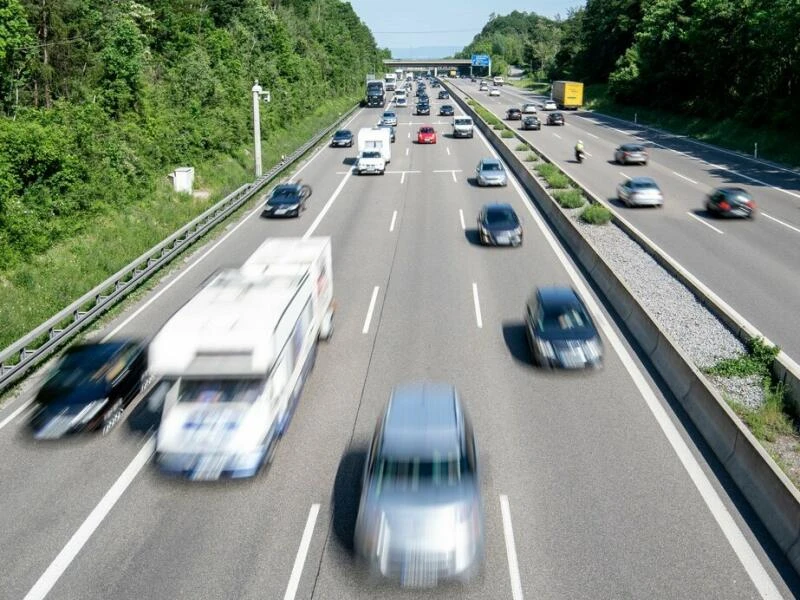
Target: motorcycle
(579,155)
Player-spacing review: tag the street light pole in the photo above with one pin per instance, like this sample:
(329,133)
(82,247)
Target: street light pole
(257,126)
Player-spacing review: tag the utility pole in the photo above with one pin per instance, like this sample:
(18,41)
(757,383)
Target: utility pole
(258,94)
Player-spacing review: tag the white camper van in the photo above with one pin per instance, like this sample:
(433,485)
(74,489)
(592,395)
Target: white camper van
(376,138)
(231,363)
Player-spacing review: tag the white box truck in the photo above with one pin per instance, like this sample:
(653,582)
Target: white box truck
(230,365)
(376,138)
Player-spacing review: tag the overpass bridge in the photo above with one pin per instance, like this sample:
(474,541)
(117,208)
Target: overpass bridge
(461,65)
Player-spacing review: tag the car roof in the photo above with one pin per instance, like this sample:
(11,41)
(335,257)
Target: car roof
(732,190)
(344,132)
(498,206)
(643,180)
(490,161)
(557,296)
(285,187)
(420,419)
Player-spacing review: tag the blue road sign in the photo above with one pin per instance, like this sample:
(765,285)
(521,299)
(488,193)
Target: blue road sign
(480,60)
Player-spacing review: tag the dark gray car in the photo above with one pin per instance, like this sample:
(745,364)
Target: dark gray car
(420,517)
(560,331)
(498,225)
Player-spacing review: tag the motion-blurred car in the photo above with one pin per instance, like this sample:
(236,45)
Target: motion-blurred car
(390,128)
(370,161)
(89,388)
(531,122)
(640,191)
(443,95)
(343,137)
(628,154)
(426,135)
(436,84)
(529,108)
(560,331)
(389,118)
(498,225)
(556,118)
(421,91)
(287,200)
(420,514)
(490,171)
(423,108)
(494,92)
(549,105)
(513,114)
(446,110)
(731,202)
(484,87)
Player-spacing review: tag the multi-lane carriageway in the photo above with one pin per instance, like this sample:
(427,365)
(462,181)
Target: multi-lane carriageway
(593,487)
(752,266)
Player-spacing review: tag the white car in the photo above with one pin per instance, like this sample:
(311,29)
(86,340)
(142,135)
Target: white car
(550,105)
(529,109)
(370,161)
(483,88)
(494,92)
(400,101)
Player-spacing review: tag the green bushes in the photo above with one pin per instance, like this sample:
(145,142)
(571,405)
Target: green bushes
(596,214)
(522,147)
(507,133)
(570,198)
(531,157)
(552,175)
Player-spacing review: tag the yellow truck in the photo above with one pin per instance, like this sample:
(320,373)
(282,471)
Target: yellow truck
(568,94)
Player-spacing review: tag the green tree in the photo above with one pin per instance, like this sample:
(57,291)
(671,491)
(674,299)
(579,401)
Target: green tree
(16,41)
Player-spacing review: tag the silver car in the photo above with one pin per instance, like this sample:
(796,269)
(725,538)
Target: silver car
(420,517)
(631,153)
(389,118)
(640,191)
(490,171)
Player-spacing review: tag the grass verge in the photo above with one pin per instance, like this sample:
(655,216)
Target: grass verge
(729,133)
(33,292)
(527,83)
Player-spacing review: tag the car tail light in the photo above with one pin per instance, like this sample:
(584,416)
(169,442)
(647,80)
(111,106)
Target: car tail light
(724,205)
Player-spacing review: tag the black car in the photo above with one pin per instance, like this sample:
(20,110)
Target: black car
(443,95)
(424,98)
(287,200)
(446,110)
(89,388)
(560,331)
(531,122)
(423,109)
(343,137)
(514,114)
(555,118)
(731,202)
(498,225)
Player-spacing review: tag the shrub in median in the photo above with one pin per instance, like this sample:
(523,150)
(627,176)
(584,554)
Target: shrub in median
(557,180)
(571,198)
(521,147)
(546,169)
(507,133)
(531,157)
(596,214)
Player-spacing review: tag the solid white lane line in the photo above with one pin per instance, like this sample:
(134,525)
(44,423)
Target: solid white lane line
(49,578)
(684,177)
(747,557)
(407,149)
(792,227)
(327,207)
(556,135)
(703,221)
(448,150)
(454,177)
(511,549)
(302,552)
(461,216)
(394,218)
(402,177)
(447,170)
(477,302)
(370,310)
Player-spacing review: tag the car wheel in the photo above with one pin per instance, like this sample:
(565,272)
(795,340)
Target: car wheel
(112,417)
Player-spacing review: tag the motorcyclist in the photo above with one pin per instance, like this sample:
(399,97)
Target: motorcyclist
(579,150)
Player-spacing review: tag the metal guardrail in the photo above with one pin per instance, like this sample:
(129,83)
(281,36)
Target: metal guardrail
(40,343)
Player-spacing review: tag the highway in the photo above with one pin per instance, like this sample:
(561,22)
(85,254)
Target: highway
(592,486)
(751,265)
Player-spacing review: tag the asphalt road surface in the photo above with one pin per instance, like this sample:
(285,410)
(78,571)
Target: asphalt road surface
(592,486)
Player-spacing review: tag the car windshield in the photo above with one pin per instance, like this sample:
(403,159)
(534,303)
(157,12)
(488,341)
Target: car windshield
(284,197)
(370,154)
(568,317)
(411,474)
(220,391)
(491,167)
(463,122)
(83,365)
(426,129)
(342,134)
(644,185)
(501,218)
(631,148)
(388,115)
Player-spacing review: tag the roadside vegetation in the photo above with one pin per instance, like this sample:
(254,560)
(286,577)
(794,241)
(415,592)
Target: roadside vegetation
(100,101)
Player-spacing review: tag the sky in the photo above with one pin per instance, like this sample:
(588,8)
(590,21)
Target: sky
(448,23)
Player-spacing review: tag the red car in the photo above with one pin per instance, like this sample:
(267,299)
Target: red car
(426,135)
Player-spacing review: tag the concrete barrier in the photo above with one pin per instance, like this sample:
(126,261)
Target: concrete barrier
(771,494)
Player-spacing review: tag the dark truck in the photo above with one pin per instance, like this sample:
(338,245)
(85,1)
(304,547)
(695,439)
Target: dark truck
(375,93)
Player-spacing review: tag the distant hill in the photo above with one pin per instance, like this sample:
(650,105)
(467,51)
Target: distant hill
(422,52)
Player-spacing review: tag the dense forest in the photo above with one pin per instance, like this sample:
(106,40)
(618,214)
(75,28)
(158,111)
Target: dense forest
(100,100)
(711,58)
